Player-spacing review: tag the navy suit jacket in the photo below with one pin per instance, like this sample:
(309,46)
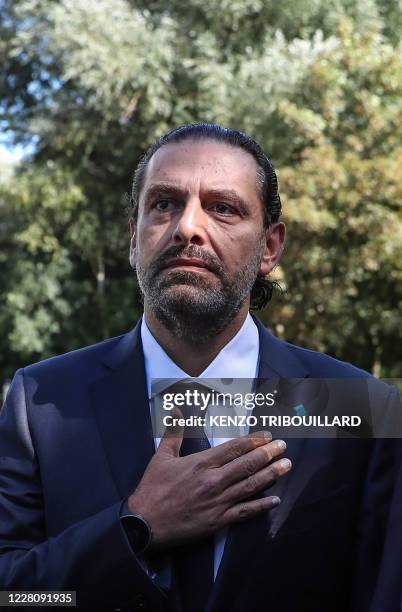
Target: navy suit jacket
(76,437)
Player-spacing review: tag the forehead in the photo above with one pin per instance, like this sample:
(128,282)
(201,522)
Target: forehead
(204,164)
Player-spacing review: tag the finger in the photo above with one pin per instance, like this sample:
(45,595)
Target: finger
(228,451)
(251,462)
(257,482)
(172,438)
(247,510)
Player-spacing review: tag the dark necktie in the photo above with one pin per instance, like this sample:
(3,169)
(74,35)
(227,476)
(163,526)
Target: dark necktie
(193,563)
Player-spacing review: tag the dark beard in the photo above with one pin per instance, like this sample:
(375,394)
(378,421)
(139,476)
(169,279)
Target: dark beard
(200,314)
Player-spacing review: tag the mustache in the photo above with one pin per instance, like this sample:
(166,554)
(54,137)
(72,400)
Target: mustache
(192,251)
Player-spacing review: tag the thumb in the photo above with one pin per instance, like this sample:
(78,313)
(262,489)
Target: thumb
(172,438)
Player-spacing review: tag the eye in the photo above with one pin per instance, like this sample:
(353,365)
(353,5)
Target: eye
(164,205)
(223,209)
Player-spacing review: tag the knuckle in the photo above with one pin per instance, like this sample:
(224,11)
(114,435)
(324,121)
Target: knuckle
(244,511)
(211,522)
(225,497)
(214,484)
(234,450)
(274,472)
(251,484)
(249,465)
(271,450)
(200,463)
(274,449)
(204,486)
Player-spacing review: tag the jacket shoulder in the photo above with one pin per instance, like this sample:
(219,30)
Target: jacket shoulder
(81,359)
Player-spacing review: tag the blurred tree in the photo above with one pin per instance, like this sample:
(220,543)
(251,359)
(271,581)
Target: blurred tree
(89,84)
(343,201)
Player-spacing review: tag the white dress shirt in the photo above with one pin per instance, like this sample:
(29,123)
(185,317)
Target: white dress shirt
(237,360)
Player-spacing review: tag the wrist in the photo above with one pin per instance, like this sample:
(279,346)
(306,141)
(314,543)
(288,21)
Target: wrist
(137,528)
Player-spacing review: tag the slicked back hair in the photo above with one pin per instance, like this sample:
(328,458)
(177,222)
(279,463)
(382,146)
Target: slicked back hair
(267,182)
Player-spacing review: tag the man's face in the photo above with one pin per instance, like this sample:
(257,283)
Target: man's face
(199,241)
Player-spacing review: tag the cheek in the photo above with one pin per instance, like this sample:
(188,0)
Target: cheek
(151,240)
(236,248)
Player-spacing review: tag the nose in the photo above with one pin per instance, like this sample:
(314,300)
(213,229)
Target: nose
(192,224)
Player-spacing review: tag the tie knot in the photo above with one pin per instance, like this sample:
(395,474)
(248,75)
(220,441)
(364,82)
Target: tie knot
(191,398)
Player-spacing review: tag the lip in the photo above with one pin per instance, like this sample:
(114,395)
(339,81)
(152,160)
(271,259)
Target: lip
(185,262)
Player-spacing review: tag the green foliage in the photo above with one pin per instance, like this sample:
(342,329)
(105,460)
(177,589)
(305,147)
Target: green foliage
(90,84)
(343,204)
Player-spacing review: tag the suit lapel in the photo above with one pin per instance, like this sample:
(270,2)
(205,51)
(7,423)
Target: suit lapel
(277,357)
(121,407)
(244,539)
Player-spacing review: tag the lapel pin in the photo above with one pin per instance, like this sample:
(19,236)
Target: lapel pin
(300,410)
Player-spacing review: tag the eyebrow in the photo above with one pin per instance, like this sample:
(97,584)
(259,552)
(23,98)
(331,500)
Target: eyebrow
(230,195)
(162,189)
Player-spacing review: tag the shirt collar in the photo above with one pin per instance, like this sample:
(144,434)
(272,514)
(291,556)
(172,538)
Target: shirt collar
(238,359)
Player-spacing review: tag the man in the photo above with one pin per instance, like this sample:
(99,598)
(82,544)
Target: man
(86,501)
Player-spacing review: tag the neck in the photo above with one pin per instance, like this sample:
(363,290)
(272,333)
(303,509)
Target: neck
(190,357)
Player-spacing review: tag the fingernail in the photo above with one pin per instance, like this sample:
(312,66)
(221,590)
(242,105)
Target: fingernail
(286,464)
(281,444)
(267,435)
(275,501)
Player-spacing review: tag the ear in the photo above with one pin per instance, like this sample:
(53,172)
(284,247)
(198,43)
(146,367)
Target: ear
(274,245)
(132,225)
